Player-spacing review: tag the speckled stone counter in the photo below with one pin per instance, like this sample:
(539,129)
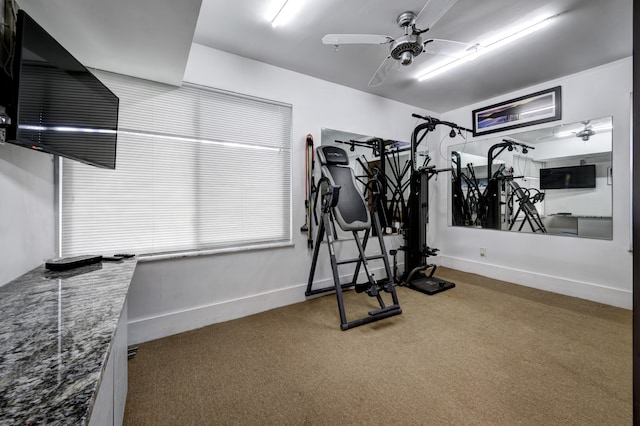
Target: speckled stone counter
(56,330)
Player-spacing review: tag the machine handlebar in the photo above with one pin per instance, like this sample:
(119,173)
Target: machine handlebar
(436,121)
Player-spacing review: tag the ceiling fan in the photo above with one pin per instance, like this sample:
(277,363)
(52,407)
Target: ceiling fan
(405,48)
(587,132)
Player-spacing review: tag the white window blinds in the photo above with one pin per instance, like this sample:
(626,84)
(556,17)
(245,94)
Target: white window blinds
(196,169)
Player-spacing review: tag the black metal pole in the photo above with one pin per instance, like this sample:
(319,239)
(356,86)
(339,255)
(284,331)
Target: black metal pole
(635,178)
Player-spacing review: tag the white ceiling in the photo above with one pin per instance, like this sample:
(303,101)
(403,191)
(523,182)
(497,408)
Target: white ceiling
(152,38)
(143,38)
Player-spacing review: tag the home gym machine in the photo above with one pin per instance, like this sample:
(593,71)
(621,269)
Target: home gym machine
(496,182)
(418,273)
(342,201)
(392,175)
(485,208)
(525,198)
(461,209)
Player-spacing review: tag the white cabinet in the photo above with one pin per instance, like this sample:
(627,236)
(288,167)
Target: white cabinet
(580,226)
(109,405)
(120,378)
(102,414)
(595,227)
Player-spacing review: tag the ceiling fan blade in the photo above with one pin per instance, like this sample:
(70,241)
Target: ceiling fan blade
(451,48)
(382,71)
(431,13)
(336,39)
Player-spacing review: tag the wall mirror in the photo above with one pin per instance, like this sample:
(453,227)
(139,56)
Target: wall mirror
(554,181)
(392,158)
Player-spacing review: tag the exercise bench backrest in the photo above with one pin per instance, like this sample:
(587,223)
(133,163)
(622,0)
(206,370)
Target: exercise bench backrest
(523,198)
(351,212)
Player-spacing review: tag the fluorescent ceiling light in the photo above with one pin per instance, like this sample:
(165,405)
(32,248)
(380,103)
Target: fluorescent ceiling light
(566,134)
(285,12)
(495,42)
(602,127)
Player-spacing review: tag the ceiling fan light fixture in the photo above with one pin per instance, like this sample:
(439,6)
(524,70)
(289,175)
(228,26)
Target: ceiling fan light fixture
(496,42)
(585,134)
(403,49)
(406,58)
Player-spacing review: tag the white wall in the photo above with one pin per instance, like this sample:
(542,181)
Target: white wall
(569,152)
(27,212)
(170,296)
(27,204)
(591,269)
(572,146)
(580,201)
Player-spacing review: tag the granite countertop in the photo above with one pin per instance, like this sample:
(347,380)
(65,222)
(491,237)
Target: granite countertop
(55,336)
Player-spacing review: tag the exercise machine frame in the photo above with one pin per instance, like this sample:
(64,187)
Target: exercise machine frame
(418,272)
(373,288)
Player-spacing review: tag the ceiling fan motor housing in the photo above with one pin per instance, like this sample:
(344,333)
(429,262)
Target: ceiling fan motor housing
(585,134)
(406,48)
(406,19)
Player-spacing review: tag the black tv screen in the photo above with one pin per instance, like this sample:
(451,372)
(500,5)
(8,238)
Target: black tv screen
(568,177)
(57,105)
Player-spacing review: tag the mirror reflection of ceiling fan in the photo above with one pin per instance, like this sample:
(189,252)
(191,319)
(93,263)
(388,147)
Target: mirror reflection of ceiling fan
(587,132)
(403,49)
(589,128)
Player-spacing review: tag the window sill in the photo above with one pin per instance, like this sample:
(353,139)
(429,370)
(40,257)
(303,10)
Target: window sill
(209,252)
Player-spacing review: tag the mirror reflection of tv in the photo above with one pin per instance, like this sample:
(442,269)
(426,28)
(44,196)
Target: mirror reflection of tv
(57,106)
(568,177)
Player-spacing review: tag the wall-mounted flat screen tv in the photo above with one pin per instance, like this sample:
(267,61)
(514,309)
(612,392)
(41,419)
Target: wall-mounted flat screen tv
(568,177)
(57,105)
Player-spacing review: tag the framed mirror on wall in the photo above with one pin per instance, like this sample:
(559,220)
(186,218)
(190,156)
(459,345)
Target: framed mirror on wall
(553,181)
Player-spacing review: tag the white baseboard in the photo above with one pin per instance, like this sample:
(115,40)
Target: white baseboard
(165,324)
(168,323)
(583,290)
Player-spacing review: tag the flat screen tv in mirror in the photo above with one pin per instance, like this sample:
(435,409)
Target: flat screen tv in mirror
(568,177)
(57,106)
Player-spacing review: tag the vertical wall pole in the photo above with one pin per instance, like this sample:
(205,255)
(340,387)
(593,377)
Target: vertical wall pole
(636,213)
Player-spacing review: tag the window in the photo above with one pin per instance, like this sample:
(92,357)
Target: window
(196,169)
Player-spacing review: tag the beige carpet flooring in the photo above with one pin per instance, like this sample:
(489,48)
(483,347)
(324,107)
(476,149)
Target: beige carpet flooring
(484,353)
